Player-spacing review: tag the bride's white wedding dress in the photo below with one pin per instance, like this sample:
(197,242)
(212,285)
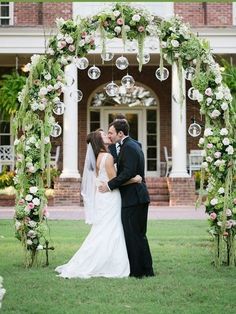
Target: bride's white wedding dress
(103,253)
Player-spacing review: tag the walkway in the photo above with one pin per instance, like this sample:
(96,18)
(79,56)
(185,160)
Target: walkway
(155,212)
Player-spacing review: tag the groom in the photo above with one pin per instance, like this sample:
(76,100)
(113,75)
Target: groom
(135,198)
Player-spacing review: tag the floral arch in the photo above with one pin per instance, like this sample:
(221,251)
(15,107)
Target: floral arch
(41,99)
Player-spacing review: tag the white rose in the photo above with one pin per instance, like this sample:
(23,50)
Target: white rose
(209,159)
(43,91)
(69,39)
(32,169)
(117,29)
(217,154)
(28,197)
(226,141)
(163,44)
(49,87)
(175,43)
(81,43)
(224,131)
(215,113)
(41,106)
(36,201)
(60,21)
(228,212)
(39,247)
(17,224)
(209,145)
(34,106)
(116,13)
(224,106)
(33,189)
(16,142)
(204,165)
(218,79)
(48,77)
(230,150)
(46,140)
(221,190)
(208,92)
(136,18)
(50,51)
(32,140)
(219,95)
(32,224)
(209,101)
(214,201)
(29,242)
(201,141)
(208,132)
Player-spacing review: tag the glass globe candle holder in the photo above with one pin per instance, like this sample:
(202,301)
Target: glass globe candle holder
(192,93)
(112,89)
(122,63)
(127,81)
(94,72)
(189,73)
(194,129)
(56,130)
(77,95)
(81,63)
(146,58)
(107,56)
(59,108)
(162,75)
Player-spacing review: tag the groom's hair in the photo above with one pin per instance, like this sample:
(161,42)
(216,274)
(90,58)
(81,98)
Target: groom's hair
(121,125)
(95,138)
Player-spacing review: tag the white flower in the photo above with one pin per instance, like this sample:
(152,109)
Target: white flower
(69,39)
(43,91)
(36,201)
(117,29)
(215,113)
(50,51)
(163,44)
(116,13)
(49,88)
(26,210)
(219,95)
(32,140)
(32,224)
(226,141)
(209,145)
(204,165)
(29,242)
(230,150)
(39,247)
(209,101)
(46,140)
(35,59)
(71,48)
(218,79)
(136,18)
(41,106)
(34,106)
(174,43)
(16,142)
(214,201)
(33,189)
(81,43)
(208,132)
(63,60)
(17,224)
(221,190)
(219,162)
(217,154)
(224,106)
(209,159)
(60,21)
(27,67)
(228,212)
(47,76)
(201,141)
(224,132)
(208,92)
(28,197)
(32,169)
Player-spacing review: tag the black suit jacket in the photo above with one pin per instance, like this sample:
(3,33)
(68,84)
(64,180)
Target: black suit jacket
(130,163)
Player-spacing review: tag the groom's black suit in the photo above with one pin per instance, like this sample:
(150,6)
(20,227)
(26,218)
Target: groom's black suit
(135,200)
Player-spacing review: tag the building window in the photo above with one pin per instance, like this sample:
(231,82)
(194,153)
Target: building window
(151,140)
(6,13)
(5,132)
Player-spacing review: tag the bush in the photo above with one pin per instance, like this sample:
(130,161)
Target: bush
(6,179)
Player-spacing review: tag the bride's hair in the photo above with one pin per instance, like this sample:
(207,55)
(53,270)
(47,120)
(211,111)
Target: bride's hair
(95,138)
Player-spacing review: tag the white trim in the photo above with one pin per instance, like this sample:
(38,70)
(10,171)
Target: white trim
(10,16)
(234,13)
(11,8)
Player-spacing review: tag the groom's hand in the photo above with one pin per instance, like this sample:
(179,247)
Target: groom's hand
(103,187)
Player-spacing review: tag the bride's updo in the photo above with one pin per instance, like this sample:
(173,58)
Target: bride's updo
(95,138)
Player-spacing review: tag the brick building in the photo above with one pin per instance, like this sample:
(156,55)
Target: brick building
(24,29)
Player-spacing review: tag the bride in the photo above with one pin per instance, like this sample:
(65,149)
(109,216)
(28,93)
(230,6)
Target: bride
(103,253)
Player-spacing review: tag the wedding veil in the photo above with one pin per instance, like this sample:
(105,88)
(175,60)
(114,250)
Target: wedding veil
(88,185)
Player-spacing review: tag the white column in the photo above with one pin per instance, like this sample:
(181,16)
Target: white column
(178,125)
(70,126)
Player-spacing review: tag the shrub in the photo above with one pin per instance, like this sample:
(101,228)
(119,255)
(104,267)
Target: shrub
(6,179)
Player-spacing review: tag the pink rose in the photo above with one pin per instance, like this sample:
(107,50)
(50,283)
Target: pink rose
(71,48)
(31,205)
(213,216)
(141,29)
(83,34)
(120,21)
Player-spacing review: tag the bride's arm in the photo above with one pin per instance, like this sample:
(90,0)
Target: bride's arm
(111,171)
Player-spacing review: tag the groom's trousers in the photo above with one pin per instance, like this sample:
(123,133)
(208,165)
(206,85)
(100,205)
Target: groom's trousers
(134,220)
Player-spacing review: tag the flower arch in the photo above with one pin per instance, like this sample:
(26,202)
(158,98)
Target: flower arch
(41,98)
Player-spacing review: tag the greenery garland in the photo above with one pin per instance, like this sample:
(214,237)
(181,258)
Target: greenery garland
(34,121)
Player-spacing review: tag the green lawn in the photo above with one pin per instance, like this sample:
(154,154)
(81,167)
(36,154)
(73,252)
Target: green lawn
(185,280)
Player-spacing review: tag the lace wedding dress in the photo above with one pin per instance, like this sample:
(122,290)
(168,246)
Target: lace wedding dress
(103,253)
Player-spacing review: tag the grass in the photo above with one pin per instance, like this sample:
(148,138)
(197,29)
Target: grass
(185,281)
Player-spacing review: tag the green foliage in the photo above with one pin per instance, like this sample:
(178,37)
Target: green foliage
(54,174)
(10,86)
(6,179)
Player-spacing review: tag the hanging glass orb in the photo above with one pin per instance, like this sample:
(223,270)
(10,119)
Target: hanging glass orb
(81,63)
(107,56)
(128,81)
(94,72)
(146,57)
(192,93)
(112,89)
(59,108)
(69,80)
(194,129)
(122,63)
(189,73)
(162,76)
(77,95)
(56,130)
